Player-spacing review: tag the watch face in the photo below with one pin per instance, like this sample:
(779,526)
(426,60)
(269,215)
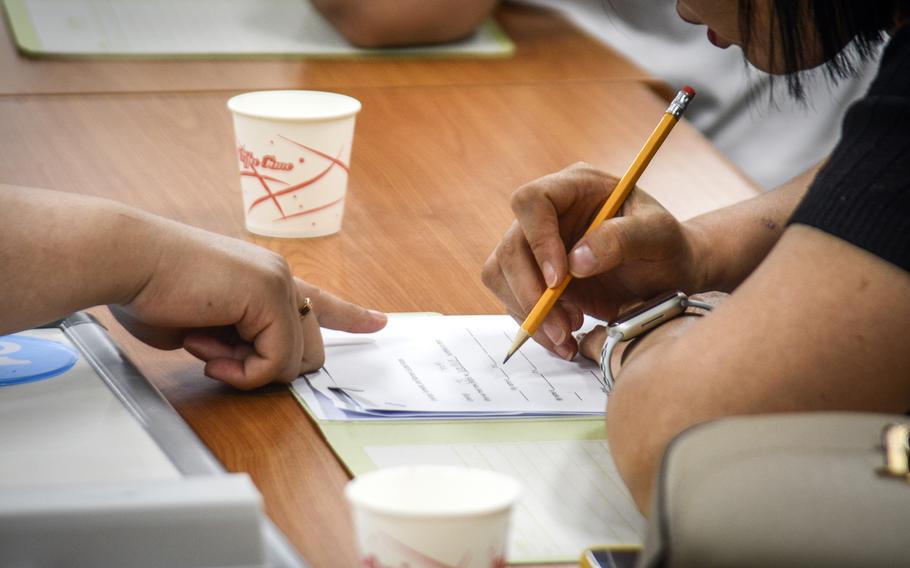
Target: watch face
(650,304)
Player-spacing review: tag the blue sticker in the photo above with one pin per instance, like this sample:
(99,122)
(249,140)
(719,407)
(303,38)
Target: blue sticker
(26,359)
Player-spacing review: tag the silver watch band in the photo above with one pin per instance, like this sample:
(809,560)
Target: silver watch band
(615,336)
(605,355)
(690,303)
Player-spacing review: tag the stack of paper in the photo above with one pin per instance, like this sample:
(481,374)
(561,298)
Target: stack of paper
(447,367)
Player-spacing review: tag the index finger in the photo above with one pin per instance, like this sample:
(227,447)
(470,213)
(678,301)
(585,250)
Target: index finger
(539,221)
(558,207)
(335,313)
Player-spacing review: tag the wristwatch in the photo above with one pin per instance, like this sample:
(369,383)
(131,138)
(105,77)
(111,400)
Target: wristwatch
(640,320)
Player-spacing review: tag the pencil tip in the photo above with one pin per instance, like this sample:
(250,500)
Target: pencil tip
(519,341)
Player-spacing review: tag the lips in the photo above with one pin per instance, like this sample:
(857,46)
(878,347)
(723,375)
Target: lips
(713,38)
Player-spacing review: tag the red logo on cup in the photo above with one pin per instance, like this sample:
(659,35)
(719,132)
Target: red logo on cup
(272,163)
(252,164)
(269,162)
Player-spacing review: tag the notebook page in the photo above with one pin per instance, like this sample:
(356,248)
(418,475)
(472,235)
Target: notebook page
(453,364)
(573,496)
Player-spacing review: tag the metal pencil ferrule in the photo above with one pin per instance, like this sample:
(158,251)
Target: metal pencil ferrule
(679,104)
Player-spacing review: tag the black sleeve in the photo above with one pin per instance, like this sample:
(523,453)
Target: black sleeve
(862,194)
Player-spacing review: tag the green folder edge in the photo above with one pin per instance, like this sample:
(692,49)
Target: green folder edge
(348,439)
(27,41)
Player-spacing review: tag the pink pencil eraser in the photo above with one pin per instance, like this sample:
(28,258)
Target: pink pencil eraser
(689,91)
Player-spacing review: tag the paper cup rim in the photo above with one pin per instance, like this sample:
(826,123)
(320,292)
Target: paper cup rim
(235,105)
(507,498)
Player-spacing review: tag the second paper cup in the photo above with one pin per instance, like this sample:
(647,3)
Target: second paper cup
(432,516)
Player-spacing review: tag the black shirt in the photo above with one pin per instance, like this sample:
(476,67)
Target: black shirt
(862,194)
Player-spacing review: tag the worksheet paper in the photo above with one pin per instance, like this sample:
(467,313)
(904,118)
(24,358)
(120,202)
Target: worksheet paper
(573,497)
(447,367)
(204,27)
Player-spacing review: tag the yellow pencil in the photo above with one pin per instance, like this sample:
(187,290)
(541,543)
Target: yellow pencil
(622,190)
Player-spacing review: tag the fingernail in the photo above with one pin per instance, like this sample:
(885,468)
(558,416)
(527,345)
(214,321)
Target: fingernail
(549,274)
(581,260)
(376,314)
(554,332)
(565,351)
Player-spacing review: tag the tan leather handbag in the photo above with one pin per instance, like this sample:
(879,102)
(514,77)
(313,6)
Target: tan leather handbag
(784,490)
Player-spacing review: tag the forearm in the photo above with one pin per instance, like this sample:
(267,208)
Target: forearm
(60,253)
(384,23)
(733,241)
(783,342)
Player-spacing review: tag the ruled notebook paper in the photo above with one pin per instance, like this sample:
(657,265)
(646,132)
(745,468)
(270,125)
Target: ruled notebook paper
(573,496)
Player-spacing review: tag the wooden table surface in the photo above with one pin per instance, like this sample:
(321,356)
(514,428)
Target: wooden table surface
(543,41)
(432,170)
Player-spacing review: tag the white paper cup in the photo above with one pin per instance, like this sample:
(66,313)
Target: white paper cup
(432,516)
(294,151)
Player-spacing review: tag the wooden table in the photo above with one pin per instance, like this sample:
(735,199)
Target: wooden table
(432,169)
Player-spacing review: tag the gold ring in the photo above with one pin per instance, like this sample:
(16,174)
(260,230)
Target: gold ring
(306,308)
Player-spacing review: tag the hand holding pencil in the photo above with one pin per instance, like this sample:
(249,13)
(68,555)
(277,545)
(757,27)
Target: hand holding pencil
(629,257)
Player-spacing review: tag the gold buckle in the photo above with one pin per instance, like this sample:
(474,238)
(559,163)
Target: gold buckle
(896,448)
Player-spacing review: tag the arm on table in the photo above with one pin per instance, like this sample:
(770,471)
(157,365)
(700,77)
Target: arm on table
(62,252)
(389,23)
(820,325)
(228,302)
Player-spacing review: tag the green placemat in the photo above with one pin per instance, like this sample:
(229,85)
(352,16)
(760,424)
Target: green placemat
(233,29)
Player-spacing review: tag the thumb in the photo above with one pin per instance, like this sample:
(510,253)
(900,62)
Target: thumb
(614,242)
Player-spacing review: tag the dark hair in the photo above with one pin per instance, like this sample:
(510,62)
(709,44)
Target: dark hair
(846,32)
